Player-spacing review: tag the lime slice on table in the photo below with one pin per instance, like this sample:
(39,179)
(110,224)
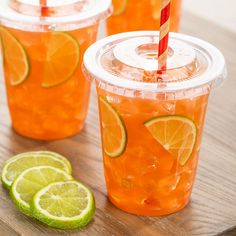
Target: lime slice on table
(15,58)
(62,59)
(64,205)
(29,182)
(177,134)
(17,164)
(114,134)
(119,6)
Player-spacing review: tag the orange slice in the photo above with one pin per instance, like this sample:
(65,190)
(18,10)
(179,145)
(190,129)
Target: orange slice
(177,134)
(62,59)
(119,6)
(15,57)
(114,133)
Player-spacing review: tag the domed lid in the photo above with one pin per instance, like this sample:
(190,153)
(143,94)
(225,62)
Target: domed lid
(62,15)
(129,60)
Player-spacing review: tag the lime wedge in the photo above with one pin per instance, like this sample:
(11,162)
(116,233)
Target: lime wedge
(29,182)
(177,134)
(19,163)
(114,134)
(15,58)
(62,59)
(64,205)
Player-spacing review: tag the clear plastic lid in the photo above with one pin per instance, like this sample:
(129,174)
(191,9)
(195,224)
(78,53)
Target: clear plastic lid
(129,61)
(62,15)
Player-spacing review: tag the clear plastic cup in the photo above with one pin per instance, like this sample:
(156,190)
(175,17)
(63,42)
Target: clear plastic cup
(152,122)
(42,53)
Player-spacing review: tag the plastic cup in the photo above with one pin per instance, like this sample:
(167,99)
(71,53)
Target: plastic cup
(42,54)
(132,15)
(152,123)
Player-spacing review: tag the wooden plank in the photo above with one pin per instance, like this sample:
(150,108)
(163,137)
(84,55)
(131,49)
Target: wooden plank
(6,230)
(213,205)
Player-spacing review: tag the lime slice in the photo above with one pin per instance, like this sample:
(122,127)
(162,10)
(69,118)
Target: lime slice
(114,133)
(119,6)
(16,62)
(62,59)
(64,205)
(17,164)
(177,134)
(54,155)
(29,182)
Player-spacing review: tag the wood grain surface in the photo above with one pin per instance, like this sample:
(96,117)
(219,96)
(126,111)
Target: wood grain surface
(212,210)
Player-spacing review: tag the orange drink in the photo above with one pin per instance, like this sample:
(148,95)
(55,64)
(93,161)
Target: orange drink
(152,123)
(131,15)
(47,93)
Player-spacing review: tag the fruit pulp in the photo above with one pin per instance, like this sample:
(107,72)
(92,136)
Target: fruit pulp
(141,15)
(48,113)
(147,179)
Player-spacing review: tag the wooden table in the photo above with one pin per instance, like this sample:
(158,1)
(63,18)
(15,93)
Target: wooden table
(212,210)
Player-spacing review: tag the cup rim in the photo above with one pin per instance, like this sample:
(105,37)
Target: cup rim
(100,10)
(214,73)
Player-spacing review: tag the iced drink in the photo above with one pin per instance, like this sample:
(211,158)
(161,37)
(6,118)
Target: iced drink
(42,53)
(131,15)
(152,121)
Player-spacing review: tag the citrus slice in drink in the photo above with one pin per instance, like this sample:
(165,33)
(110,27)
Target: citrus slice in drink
(19,163)
(30,181)
(62,59)
(119,6)
(64,205)
(114,133)
(177,134)
(15,58)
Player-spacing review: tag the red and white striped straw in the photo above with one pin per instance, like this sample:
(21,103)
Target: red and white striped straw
(44,9)
(164,34)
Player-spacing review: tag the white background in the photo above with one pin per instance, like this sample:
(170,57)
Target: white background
(221,12)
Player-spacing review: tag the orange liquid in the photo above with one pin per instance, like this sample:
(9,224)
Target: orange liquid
(48,113)
(143,15)
(146,179)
